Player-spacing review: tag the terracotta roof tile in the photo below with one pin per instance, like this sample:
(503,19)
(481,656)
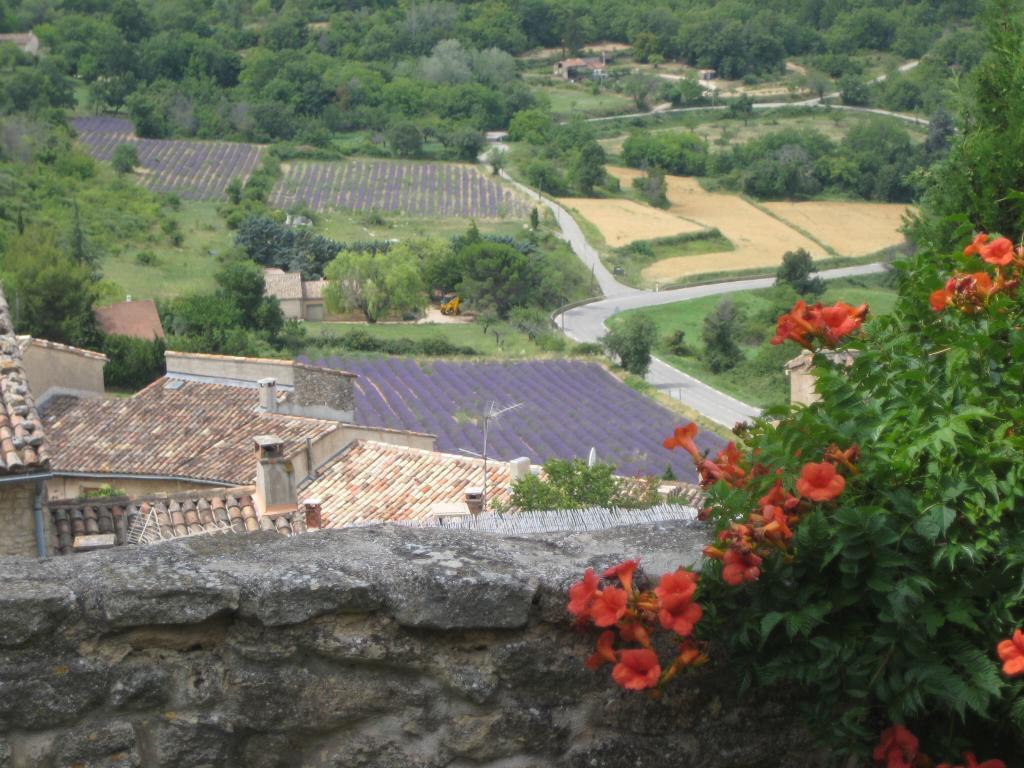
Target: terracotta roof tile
(372,481)
(283,285)
(138,319)
(313,289)
(172,428)
(148,519)
(23,447)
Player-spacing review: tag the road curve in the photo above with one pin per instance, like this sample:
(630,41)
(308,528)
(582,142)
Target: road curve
(587,323)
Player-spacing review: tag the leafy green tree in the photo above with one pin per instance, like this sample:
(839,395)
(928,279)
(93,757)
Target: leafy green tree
(798,271)
(125,158)
(854,91)
(721,352)
(50,293)
(682,153)
(742,108)
(405,139)
(497,275)
(586,167)
(639,88)
(243,284)
(132,363)
(653,188)
(375,284)
(631,341)
(574,485)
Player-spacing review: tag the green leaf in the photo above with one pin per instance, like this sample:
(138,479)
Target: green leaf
(935,522)
(769,622)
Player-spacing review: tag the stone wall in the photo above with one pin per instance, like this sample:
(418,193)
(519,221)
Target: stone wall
(17,522)
(323,393)
(386,646)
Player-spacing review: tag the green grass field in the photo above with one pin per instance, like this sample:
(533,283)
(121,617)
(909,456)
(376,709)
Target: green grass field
(351,226)
(509,343)
(721,131)
(190,267)
(568,99)
(633,261)
(760,379)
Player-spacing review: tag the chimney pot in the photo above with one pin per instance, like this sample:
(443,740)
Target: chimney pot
(312,510)
(474,498)
(275,481)
(518,468)
(268,395)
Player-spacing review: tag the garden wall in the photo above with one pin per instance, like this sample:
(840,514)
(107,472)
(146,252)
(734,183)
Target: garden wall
(383,646)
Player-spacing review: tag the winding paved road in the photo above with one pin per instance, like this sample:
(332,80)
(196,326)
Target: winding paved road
(587,323)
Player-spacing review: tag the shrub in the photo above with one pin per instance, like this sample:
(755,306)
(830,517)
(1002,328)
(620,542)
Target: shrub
(146,258)
(869,547)
(721,352)
(797,270)
(132,363)
(631,342)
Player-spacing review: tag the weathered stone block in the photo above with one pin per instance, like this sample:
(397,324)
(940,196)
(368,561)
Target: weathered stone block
(29,609)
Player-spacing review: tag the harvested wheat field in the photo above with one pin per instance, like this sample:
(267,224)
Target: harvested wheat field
(851,229)
(759,239)
(622,221)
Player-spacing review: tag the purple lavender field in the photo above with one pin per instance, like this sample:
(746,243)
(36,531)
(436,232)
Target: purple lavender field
(568,407)
(404,186)
(194,170)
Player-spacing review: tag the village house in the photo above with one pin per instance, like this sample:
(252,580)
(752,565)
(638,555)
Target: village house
(138,319)
(299,299)
(27,42)
(577,68)
(24,458)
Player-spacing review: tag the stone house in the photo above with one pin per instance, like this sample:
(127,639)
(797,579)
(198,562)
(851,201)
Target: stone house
(299,299)
(24,455)
(576,68)
(27,42)
(56,369)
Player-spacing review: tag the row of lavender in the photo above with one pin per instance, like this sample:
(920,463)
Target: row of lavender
(568,408)
(412,188)
(195,170)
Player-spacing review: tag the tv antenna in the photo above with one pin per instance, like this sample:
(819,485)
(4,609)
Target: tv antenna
(492,414)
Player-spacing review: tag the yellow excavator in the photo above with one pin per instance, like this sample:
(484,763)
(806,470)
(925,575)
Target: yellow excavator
(451,305)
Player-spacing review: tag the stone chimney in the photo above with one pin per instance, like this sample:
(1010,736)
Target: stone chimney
(311,508)
(268,395)
(474,498)
(275,480)
(518,469)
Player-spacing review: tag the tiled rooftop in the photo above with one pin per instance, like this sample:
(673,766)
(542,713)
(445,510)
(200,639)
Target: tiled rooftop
(283,285)
(372,481)
(138,319)
(165,516)
(24,342)
(23,447)
(172,428)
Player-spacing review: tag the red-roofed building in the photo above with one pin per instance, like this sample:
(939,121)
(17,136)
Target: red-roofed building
(138,319)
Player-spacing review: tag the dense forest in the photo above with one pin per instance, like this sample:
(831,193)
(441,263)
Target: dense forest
(301,71)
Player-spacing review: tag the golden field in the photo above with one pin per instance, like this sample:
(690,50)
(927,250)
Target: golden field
(621,222)
(759,239)
(850,229)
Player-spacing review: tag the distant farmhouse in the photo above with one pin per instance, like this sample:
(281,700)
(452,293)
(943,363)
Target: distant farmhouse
(27,42)
(576,69)
(299,299)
